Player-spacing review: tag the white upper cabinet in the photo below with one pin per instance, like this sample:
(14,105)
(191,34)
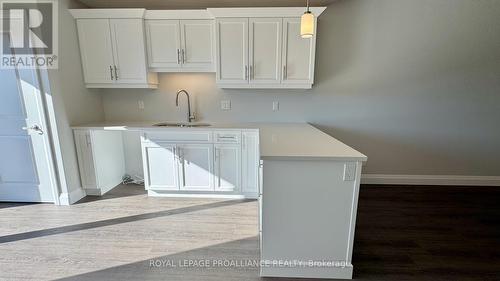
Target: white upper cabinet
(164,43)
(232,51)
(298,54)
(96,50)
(265,50)
(180,45)
(112,48)
(129,53)
(262,48)
(197,39)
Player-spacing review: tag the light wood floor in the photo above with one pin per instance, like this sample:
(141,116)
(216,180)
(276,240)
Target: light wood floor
(117,237)
(402,233)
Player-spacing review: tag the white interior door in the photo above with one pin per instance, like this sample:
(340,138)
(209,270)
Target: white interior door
(96,50)
(197,44)
(163,40)
(196,171)
(232,50)
(26,173)
(298,65)
(129,51)
(265,50)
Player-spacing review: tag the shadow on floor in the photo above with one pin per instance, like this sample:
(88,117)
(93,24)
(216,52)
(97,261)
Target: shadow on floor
(89,225)
(169,267)
(5,205)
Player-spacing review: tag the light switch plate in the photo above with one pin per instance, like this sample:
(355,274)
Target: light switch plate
(349,171)
(225,104)
(141,104)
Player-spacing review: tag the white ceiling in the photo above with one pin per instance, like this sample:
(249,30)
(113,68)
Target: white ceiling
(198,4)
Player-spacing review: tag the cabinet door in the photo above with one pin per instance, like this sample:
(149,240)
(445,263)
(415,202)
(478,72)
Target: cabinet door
(161,167)
(96,50)
(227,167)
(83,141)
(250,162)
(265,50)
(196,167)
(298,54)
(128,50)
(197,45)
(164,45)
(232,50)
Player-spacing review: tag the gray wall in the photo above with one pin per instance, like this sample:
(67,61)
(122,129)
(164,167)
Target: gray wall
(73,103)
(415,85)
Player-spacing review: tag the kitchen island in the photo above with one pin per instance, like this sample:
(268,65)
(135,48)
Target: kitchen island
(307,183)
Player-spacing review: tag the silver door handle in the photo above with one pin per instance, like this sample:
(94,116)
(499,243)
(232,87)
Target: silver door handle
(183,56)
(284,72)
(35,128)
(116,73)
(178,56)
(111,72)
(251,73)
(246,72)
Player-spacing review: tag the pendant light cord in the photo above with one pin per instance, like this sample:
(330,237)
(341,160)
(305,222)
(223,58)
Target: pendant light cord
(307,3)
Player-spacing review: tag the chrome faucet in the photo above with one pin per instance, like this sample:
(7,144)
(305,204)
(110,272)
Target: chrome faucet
(191,117)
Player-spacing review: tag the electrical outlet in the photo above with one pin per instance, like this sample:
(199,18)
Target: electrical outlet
(276,106)
(225,104)
(141,104)
(349,171)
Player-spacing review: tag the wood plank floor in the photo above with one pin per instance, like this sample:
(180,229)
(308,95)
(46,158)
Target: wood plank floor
(403,233)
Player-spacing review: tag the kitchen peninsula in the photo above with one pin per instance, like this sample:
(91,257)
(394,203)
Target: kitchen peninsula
(307,182)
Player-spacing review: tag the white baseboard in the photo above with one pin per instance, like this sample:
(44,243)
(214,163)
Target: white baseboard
(430,180)
(72,197)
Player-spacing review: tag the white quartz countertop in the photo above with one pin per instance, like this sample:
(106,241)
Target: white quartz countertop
(277,140)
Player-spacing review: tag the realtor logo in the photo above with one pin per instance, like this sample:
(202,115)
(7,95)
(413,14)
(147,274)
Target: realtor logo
(29,37)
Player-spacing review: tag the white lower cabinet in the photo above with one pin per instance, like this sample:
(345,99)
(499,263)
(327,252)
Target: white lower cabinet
(100,160)
(195,167)
(227,167)
(161,163)
(223,164)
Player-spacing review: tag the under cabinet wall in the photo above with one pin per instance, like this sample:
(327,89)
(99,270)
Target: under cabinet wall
(100,159)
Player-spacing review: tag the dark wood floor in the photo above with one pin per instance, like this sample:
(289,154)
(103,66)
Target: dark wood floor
(402,233)
(427,233)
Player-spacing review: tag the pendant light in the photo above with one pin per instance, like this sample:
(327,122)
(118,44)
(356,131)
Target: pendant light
(307,23)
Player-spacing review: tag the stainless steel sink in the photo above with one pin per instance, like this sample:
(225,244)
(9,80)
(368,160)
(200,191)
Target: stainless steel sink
(181,125)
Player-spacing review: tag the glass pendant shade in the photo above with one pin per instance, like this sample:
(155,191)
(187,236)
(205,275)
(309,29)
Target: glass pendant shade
(307,25)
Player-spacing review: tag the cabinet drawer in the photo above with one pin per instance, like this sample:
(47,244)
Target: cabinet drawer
(227,136)
(178,136)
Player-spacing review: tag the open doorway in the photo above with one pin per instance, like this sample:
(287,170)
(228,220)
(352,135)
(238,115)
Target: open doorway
(27,172)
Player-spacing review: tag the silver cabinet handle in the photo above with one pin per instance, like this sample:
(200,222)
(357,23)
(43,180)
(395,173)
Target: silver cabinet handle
(183,56)
(35,128)
(111,72)
(116,73)
(246,72)
(284,72)
(217,160)
(251,73)
(178,56)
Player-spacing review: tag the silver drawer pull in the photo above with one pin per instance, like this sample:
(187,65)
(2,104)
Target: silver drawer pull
(227,137)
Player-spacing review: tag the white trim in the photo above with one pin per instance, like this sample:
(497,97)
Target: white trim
(329,272)
(72,197)
(123,85)
(169,193)
(268,12)
(107,13)
(177,14)
(264,86)
(430,180)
